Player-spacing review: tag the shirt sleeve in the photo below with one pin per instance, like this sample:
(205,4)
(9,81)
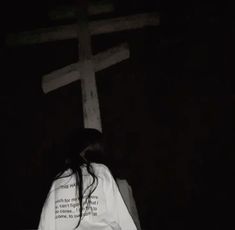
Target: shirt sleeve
(127,195)
(133,209)
(115,204)
(47,218)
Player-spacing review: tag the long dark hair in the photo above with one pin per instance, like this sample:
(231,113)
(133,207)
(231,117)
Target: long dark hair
(90,141)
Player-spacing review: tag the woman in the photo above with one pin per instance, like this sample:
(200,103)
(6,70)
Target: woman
(84,195)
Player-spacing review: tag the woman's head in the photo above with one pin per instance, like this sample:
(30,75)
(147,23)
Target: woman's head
(84,144)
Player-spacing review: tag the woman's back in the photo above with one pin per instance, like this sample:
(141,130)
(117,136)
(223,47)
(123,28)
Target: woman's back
(104,209)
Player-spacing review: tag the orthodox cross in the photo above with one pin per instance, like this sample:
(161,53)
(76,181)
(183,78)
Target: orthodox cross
(88,64)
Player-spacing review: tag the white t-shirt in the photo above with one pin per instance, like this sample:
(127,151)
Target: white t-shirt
(106,210)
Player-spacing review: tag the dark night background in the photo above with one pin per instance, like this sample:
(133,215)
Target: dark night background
(167,113)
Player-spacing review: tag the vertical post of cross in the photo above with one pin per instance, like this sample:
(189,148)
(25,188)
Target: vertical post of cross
(90,102)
